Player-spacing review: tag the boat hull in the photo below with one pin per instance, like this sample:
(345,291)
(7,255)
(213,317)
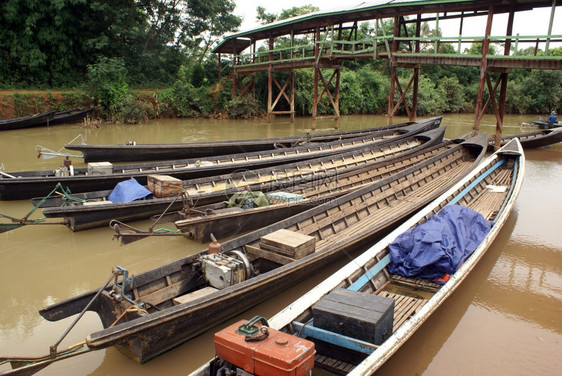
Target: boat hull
(41,183)
(336,224)
(154,152)
(26,121)
(81,217)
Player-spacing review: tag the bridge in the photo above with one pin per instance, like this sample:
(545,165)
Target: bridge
(324,40)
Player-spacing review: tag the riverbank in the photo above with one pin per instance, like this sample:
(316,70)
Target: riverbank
(15,103)
(136,106)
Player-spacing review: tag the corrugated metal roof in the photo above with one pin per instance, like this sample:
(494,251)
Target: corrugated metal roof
(369,10)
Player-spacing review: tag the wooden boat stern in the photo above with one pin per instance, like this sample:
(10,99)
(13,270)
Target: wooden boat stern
(70,307)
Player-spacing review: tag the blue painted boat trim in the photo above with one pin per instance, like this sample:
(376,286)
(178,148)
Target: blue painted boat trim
(309,330)
(474,183)
(370,274)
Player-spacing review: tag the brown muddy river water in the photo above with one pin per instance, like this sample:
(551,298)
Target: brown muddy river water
(506,319)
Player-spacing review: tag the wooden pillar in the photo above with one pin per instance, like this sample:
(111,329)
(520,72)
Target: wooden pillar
(292,105)
(550,27)
(483,70)
(234,69)
(337,99)
(460,32)
(316,74)
(270,83)
(503,85)
(416,73)
(393,76)
(220,68)
(269,93)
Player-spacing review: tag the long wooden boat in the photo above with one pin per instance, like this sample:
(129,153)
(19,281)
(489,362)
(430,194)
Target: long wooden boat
(26,121)
(532,140)
(223,221)
(381,309)
(156,310)
(28,184)
(69,116)
(151,152)
(546,125)
(98,211)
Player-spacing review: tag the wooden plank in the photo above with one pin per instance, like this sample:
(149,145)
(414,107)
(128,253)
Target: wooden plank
(279,259)
(186,298)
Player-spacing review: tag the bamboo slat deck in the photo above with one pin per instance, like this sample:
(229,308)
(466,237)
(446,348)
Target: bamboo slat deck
(334,164)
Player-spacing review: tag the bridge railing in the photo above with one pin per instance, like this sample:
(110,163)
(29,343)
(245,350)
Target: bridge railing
(306,52)
(516,40)
(371,46)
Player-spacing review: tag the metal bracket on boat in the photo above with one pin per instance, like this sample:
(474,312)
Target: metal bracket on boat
(119,288)
(133,234)
(46,153)
(25,220)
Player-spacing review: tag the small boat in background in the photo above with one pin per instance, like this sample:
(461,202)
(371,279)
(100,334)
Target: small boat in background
(70,116)
(45,119)
(37,120)
(535,139)
(546,125)
(354,321)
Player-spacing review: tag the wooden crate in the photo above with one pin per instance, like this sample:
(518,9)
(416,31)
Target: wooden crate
(288,243)
(163,185)
(355,314)
(100,168)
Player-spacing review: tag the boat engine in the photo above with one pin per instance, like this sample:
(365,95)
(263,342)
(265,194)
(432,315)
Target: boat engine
(225,269)
(245,349)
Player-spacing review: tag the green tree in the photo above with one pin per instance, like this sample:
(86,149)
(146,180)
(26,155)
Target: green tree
(51,42)
(265,18)
(544,90)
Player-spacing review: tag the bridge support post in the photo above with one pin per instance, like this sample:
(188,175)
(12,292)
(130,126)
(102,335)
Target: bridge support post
(483,72)
(395,83)
(334,98)
(289,84)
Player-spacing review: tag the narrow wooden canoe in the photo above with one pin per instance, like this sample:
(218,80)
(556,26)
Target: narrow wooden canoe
(26,121)
(222,221)
(490,191)
(69,116)
(534,140)
(151,152)
(546,125)
(24,185)
(161,308)
(99,212)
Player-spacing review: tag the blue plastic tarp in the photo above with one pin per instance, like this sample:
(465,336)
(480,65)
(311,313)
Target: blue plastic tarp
(440,245)
(127,191)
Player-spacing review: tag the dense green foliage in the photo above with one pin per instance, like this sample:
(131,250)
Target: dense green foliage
(104,48)
(50,43)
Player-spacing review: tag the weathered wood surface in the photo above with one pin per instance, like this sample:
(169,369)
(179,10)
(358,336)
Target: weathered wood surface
(490,190)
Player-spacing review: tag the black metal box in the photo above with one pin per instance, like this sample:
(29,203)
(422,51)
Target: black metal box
(355,314)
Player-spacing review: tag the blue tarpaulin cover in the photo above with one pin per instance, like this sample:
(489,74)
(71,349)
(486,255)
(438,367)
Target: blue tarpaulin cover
(127,191)
(440,245)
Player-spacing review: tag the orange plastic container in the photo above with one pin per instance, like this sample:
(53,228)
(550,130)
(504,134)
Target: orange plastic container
(280,354)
